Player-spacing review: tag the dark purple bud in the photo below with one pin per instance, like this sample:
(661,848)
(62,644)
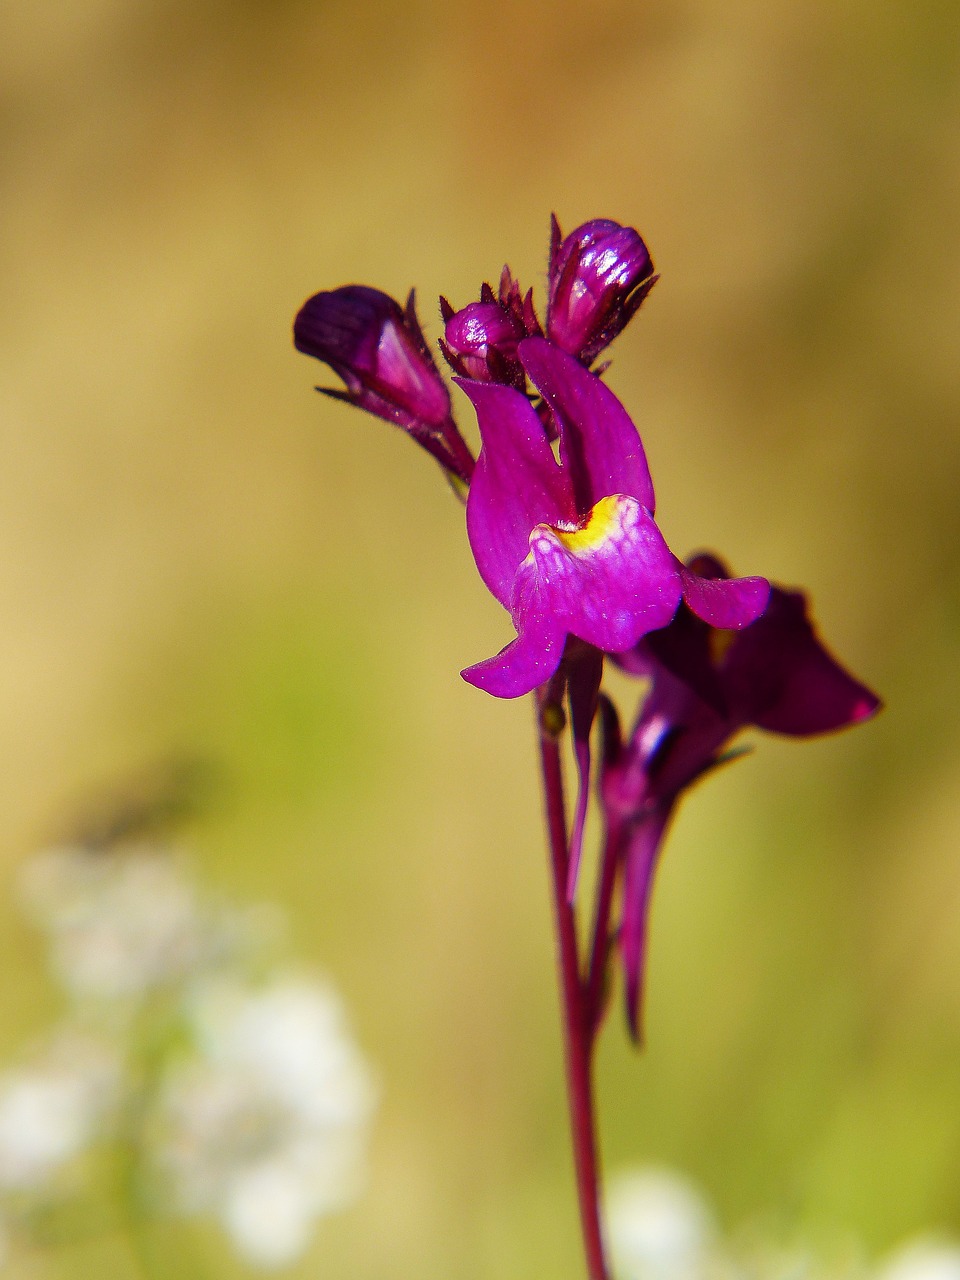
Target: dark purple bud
(479,331)
(377,347)
(598,277)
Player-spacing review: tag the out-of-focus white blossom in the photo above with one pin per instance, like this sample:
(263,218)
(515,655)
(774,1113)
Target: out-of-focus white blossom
(50,1109)
(660,1227)
(251,1102)
(268,1211)
(119,923)
(265,1124)
(924,1258)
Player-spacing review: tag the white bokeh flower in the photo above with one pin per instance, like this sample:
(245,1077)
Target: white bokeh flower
(265,1123)
(51,1108)
(120,923)
(923,1258)
(660,1226)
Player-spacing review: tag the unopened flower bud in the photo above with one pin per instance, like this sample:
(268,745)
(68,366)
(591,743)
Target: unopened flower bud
(599,275)
(377,347)
(479,334)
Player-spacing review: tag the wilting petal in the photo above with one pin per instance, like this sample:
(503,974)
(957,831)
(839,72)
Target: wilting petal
(608,582)
(599,443)
(516,485)
(583,683)
(525,663)
(777,674)
(640,863)
(725,603)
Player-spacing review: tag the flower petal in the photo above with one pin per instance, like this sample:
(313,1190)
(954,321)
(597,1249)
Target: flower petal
(640,864)
(608,583)
(516,485)
(725,603)
(779,675)
(523,664)
(600,444)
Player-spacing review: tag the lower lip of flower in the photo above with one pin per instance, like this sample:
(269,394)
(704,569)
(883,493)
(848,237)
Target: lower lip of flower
(603,521)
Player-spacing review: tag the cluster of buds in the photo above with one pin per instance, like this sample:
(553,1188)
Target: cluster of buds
(571,549)
(597,279)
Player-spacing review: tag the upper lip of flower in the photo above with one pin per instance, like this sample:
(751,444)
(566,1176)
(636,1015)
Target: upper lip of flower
(519,484)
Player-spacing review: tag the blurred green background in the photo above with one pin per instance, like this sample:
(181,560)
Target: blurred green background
(199,555)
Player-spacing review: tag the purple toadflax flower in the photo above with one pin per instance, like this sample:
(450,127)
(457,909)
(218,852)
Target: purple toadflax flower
(707,683)
(377,347)
(560,518)
(572,549)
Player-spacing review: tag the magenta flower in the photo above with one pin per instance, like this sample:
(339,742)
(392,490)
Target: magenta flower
(378,349)
(571,549)
(560,519)
(706,685)
(598,277)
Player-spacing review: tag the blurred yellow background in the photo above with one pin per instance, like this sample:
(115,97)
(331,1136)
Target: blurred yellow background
(200,556)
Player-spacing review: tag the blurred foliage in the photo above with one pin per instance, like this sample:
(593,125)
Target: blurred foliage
(202,558)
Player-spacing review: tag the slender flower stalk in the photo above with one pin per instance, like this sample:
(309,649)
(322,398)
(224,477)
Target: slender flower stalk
(578,1024)
(560,519)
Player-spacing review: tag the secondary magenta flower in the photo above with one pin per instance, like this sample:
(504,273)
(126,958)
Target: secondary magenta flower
(572,549)
(598,277)
(377,347)
(706,684)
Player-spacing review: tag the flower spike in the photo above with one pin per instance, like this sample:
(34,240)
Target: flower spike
(560,521)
